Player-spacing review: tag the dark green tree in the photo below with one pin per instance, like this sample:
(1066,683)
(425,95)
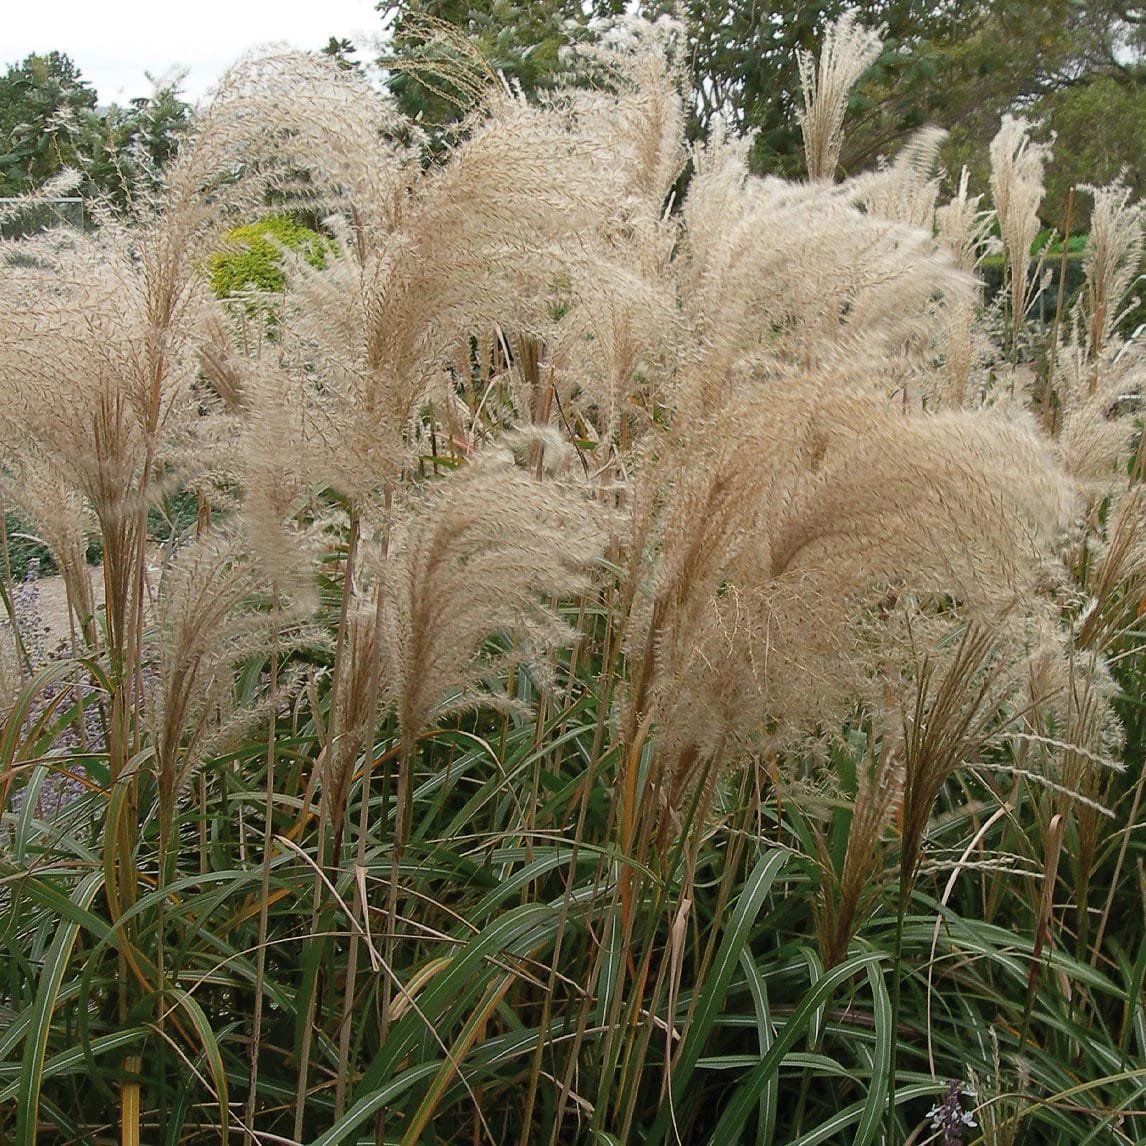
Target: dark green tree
(1097,108)
(518,39)
(342,51)
(138,141)
(47,116)
(1100,133)
(49,121)
(958,63)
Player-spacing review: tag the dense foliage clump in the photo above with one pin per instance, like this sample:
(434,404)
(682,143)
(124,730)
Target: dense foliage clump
(253,255)
(654,656)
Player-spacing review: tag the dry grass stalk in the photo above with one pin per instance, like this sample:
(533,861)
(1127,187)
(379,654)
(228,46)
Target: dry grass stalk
(44,496)
(1115,577)
(1113,258)
(963,226)
(1088,762)
(617,344)
(954,717)
(444,60)
(1017,188)
(847,52)
(357,695)
(110,398)
(65,183)
(844,898)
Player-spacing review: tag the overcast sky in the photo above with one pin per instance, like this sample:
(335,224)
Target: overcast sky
(114,42)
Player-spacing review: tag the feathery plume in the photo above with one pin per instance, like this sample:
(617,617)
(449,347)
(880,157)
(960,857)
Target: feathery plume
(963,230)
(1017,188)
(480,553)
(964,227)
(783,281)
(211,612)
(1098,397)
(847,52)
(906,190)
(789,589)
(98,374)
(34,485)
(1113,258)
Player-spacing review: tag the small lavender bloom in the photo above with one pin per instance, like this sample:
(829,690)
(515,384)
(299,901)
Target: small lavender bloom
(950,1117)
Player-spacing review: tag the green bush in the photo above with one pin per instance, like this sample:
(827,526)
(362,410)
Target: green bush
(25,547)
(252,258)
(176,515)
(1075,246)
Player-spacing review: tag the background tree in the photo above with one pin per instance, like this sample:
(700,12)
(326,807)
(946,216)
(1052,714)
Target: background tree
(519,39)
(49,121)
(342,51)
(1100,130)
(47,116)
(136,142)
(1076,67)
(1097,107)
(957,65)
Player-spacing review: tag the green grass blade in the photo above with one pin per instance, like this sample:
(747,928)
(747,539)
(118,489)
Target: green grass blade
(612,956)
(758,988)
(496,991)
(210,1044)
(516,932)
(840,1121)
(36,1044)
(714,992)
(75,1059)
(873,1109)
(374,1101)
(747,1094)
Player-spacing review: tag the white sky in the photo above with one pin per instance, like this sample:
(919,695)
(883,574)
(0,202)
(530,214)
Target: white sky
(114,42)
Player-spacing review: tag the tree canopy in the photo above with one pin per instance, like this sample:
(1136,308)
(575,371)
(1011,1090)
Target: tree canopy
(50,120)
(45,120)
(1075,67)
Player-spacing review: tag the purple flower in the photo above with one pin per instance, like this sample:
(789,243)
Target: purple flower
(949,1115)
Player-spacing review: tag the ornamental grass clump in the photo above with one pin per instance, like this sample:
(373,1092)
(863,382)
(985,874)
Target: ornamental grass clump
(848,51)
(1017,187)
(633,673)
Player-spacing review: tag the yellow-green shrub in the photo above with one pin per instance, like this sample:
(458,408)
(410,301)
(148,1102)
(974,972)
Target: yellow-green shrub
(253,255)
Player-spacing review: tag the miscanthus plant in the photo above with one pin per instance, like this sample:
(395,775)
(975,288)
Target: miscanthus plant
(644,669)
